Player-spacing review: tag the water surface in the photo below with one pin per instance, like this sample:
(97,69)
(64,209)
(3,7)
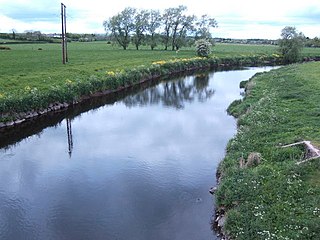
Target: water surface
(138,168)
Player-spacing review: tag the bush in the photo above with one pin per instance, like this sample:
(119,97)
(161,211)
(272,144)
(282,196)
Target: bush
(203,48)
(4,48)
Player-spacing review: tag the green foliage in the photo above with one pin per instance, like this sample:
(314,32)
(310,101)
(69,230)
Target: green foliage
(203,48)
(144,26)
(276,199)
(140,23)
(121,26)
(315,42)
(291,44)
(204,24)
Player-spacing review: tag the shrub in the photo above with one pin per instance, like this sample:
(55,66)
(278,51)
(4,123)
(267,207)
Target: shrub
(4,48)
(203,48)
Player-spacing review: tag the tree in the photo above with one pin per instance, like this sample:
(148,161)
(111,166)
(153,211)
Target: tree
(187,26)
(316,42)
(291,44)
(154,22)
(177,19)
(176,27)
(121,26)
(203,27)
(13,33)
(168,22)
(140,26)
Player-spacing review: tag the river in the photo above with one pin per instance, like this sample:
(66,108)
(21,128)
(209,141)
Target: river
(137,167)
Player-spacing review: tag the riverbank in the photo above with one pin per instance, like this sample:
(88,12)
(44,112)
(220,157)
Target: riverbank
(263,192)
(30,103)
(34,82)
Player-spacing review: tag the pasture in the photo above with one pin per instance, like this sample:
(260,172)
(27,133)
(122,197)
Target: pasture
(24,65)
(39,65)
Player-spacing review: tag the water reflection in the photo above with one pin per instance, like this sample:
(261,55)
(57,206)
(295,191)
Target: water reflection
(145,94)
(70,138)
(174,93)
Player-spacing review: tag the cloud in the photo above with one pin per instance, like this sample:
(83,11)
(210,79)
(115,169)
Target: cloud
(307,15)
(236,19)
(27,11)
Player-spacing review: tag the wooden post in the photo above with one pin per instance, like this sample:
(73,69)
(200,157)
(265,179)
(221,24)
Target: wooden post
(62,35)
(65,33)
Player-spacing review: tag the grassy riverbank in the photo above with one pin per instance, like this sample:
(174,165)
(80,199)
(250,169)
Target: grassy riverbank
(33,77)
(277,199)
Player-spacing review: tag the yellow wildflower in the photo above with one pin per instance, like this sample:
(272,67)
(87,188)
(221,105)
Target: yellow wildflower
(110,73)
(159,62)
(1,95)
(27,88)
(68,81)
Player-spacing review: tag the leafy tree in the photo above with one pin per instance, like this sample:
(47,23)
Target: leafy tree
(177,20)
(187,26)
(176,27)
(291,44)
(168,22)
(140,26)
(154,22)
(316,42)
(121,26)
(203,26)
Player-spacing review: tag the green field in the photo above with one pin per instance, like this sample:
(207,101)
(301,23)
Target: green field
(24,65)
(33,77)
(277,199)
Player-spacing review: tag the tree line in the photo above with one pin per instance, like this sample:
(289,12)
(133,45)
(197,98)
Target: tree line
(172,28)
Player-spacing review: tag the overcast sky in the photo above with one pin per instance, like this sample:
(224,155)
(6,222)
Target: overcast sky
(236,18)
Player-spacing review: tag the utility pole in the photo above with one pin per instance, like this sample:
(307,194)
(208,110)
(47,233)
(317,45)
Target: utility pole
(64,34)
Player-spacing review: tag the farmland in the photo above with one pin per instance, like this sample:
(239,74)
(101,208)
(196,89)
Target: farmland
(27,66)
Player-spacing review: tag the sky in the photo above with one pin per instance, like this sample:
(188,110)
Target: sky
(236,18)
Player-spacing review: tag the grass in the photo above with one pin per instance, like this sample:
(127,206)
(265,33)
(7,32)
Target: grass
(25,65)
(32,78)
(278,199)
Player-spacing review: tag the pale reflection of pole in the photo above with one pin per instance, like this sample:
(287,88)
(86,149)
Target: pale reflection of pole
(70,140)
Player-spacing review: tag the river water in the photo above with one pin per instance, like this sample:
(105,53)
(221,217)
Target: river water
(135,168)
